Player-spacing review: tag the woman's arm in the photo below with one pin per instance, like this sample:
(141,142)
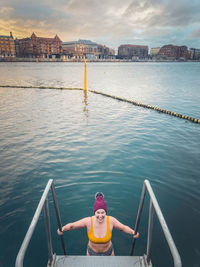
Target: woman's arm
(126,229)
(74,225)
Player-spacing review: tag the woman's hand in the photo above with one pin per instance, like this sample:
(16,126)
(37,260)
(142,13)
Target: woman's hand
(59,232)
(136,236)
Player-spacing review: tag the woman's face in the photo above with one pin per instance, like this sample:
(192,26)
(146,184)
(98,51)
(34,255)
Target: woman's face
(100,215)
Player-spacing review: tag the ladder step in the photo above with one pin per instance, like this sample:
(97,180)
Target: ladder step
(100,261)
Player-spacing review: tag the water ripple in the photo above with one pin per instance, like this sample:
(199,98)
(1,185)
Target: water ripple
(99,144)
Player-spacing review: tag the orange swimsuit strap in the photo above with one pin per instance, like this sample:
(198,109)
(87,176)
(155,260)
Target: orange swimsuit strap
(104,239)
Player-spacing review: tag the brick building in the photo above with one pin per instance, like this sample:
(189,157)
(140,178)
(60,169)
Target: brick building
(40,47)
(174,52)
(133,52)
(7,46)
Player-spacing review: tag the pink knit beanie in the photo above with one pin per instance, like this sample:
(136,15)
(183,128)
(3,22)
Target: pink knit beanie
(99,203)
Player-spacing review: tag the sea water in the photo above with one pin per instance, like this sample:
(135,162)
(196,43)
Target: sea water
(89,143)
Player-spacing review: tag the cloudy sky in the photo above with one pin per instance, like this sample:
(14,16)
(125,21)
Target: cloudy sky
(110,22)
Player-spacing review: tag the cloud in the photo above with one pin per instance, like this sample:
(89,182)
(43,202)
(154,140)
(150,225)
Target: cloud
(101,20)
(153,13)
(195,34)
(5,12)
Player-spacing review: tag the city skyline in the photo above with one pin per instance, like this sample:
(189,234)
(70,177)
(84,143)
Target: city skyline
(111,22)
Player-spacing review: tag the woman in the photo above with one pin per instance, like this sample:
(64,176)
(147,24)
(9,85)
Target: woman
(99,229)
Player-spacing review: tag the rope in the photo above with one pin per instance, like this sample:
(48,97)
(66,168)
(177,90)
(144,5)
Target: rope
(175,114)
(195,120)
(40,87)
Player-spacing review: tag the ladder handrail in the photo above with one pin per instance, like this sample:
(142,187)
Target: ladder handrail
(154,205)
(42,204)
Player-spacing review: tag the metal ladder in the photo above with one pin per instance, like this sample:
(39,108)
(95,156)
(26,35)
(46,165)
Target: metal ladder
(98,261)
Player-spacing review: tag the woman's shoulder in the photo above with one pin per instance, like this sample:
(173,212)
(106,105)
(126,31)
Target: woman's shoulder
(87,220)
(112,219)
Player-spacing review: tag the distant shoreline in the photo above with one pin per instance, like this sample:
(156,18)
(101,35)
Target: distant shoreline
(45,60)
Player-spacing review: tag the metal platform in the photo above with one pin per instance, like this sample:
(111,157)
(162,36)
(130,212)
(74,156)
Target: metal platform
(99,261)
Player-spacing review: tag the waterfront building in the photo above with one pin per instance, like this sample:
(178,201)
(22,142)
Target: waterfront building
(38,47)
(86,49)
(194,53)
(106,52)
(154,51)
(7,46)
(80,49)
(174,52)
(133,52)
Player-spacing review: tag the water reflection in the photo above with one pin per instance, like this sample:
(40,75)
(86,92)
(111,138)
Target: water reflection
(85,101)
(43,136)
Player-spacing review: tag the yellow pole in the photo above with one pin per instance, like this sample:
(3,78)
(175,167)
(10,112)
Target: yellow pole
(85,75)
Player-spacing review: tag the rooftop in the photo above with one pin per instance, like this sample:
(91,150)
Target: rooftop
(86,42)
(5,36)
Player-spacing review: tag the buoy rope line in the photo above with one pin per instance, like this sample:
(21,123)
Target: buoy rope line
(40,87)
(149,107)
(175,114)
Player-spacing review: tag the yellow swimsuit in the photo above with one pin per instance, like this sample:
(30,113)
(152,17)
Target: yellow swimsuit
(104,239)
